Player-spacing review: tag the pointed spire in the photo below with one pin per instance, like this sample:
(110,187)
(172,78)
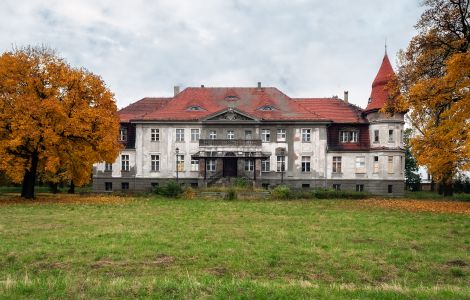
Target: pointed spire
(379,94)
(385,46)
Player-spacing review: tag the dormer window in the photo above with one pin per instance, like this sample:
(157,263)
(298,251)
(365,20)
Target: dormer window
(267,108)
(195,108)
(231,98)
(348,136)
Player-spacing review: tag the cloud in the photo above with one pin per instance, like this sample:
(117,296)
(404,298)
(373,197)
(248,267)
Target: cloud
(143,48)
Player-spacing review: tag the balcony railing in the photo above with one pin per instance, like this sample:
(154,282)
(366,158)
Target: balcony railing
(228,142)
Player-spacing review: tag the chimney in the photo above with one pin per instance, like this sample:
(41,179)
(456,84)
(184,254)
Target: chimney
(346,94)
(259,85)
(202,85)
(176,90)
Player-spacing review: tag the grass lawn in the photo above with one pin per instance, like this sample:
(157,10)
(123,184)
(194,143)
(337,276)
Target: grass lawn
(112,247)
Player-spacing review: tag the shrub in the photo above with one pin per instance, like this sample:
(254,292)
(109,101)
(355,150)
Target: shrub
(231,195)
(171,189)
(241,182)
(281,192)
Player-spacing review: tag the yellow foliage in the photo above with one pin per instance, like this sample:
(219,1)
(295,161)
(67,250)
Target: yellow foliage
(67,116)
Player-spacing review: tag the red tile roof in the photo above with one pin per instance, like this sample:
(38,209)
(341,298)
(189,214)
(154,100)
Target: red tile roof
(140,108)
(247,100)
(379,94)
(334,109)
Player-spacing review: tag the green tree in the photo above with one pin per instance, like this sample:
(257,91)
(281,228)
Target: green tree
(412,179)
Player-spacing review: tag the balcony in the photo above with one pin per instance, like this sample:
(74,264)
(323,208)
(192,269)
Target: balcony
(228,142)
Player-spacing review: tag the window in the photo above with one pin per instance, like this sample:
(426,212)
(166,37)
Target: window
(376,136)
(359,188)
(180,135)
(265,186)
(108,167)
(281,163)
(305,163)
(306,135)
(194,165)
(195,135)
(265,135)
(125,162)
(353,136)
(390,135)
(337,187)
(212,134)
(155,163)
(360,164)
(154,135)
(348,136)
(249,165)
(265,165)
(390,164)
(336,164)
(108,186)
(154,185)
(123,134)
(248,135)
(211,165)
(390,188)
(230,134)
(376,164)
(180,162)
(124,185)
(305,185)
(266,108)
(281,135)
(401,137)
(195,108)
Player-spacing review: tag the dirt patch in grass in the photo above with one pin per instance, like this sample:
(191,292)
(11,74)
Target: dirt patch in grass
(420,205)
(457,263)
(66,199)
(164,260)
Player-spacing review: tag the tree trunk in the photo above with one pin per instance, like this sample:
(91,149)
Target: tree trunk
(29,179)
(71,188)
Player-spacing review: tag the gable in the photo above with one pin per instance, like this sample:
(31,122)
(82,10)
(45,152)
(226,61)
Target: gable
(230,114)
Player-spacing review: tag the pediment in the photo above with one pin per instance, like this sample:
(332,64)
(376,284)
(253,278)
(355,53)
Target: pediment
(230,114)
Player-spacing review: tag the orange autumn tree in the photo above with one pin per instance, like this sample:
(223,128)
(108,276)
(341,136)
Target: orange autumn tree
(55,121)
(432,84)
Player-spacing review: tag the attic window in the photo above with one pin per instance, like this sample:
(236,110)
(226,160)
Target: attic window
(195,108)
(231,98)
(370,100)
(267,108)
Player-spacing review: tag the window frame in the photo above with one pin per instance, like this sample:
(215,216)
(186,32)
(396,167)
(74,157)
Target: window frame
(195,134)
(360,165)
(391,136)
(376,136)
(108,167)
(108,186)
(154,163)
(390,165)
(306,162)
(125,163)
(281,135)
(280,163)
(154,134)
(266,165)
(180,162)
(306,135)
(179,134)
(337,166)
(249,165)
(230,134)
(212,134)
(375,164)
(211,165)
(194,165)
(123,134)
(265,135)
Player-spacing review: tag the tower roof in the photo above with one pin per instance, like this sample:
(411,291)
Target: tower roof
(379,94)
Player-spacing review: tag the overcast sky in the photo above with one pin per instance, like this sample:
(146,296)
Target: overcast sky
(143,48)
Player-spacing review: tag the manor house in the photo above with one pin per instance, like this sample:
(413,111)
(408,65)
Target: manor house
(205,135)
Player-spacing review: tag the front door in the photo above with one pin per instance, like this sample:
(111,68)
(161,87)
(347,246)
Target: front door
(230,167)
